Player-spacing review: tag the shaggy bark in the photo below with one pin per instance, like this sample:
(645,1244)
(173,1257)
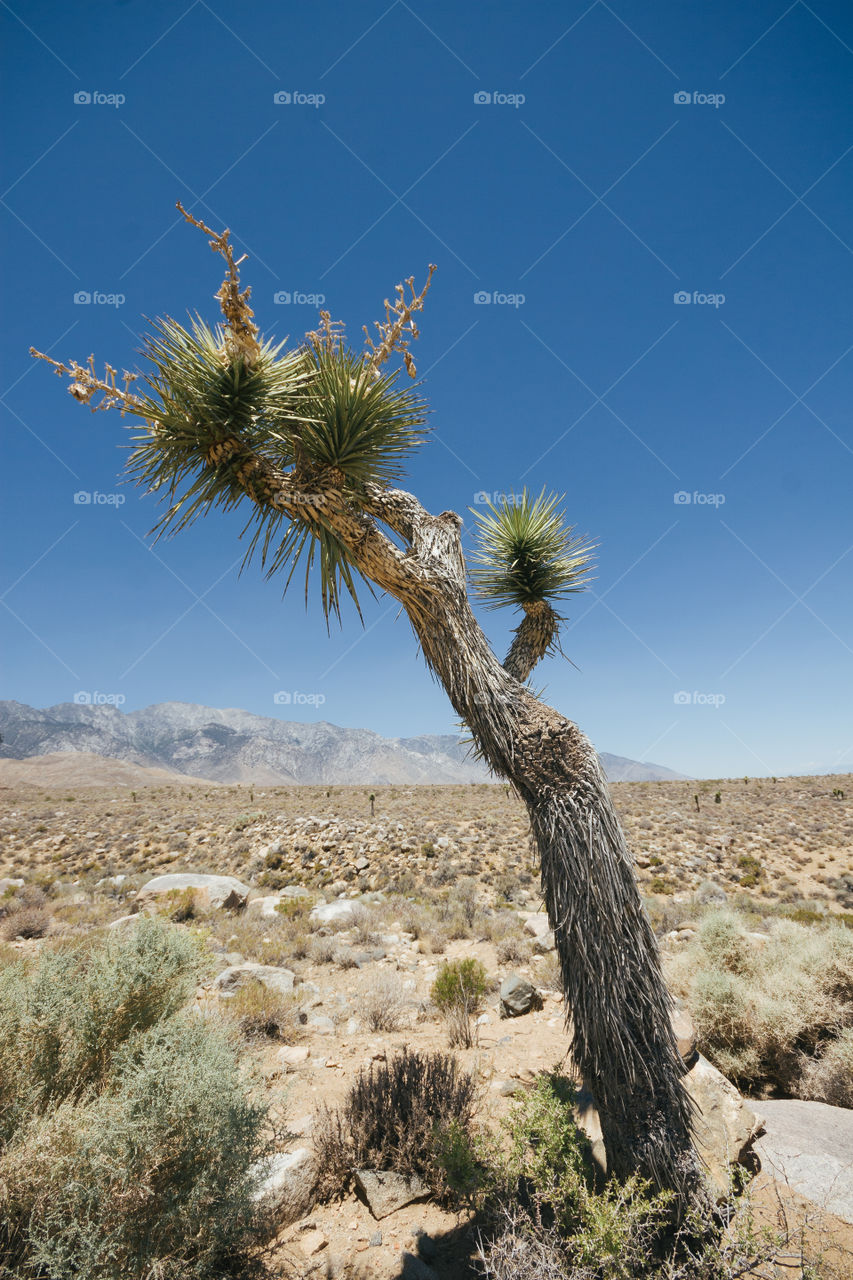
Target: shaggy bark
(617,1002)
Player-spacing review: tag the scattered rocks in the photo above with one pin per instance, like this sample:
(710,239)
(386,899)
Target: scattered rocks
(216,892)
(518,996)
(386,1191)
(271,977)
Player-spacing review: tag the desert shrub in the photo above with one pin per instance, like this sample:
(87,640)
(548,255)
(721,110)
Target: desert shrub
(760,1006)
(404,1115)
(457,993)
(260,1012)
(128,1138)
(26,922)
(322,950)
(383,1002)
(829,1078)
(64,1015)
(539,1185)
(513,950)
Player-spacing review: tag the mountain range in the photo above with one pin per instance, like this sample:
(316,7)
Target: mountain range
(232,746)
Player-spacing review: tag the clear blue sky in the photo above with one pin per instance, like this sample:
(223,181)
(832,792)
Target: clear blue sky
(597,199)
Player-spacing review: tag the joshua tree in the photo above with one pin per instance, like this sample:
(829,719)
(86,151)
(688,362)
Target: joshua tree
(311,441)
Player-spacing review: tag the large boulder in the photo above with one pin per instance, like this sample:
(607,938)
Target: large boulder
(211,891)
(518,996)
(269,976)
(809,1146)
(386,1191)
(725,1126)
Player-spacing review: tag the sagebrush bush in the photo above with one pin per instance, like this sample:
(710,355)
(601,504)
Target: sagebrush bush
(406,1115)
(383,1002)
(261,1012)
(829,1078)
(764,1007)
(458,993)
(129,1139)
(64,1014)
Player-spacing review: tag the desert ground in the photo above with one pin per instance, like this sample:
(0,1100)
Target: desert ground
(437,873)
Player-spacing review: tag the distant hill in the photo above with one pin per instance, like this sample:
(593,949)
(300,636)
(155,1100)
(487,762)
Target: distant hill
(237,746)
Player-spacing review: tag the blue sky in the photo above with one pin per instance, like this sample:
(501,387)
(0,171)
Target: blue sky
(538,154)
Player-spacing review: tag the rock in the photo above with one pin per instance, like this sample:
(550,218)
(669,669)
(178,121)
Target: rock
(361,864)
(518,996)
(333,913)
(412,1268)
(725,1126)
(545,942)
(293,1055)
(386,1192)
(321,1024)
(375,1240)
(213,891)
(685,1035)
(426,1246)
(586,1118)
(311,1242)
(288,1174)
(264,906)
(809,1145)
(536,924)
(237,975)
(295,891)
(9,884)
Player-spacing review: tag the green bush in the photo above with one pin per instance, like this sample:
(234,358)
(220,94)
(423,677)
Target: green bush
(458,993)
(129,1138)
(413,1114)
(539,1189)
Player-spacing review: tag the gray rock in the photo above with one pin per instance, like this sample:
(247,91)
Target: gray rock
(333,913)
(237,975)
(725,1126)
(267,907)
(322,1025)
(289,1174)
(545,942)
(810,1146)
(518,996)
(295,891)
(214,891)
(375,1240)
(386,1192)
(536,924)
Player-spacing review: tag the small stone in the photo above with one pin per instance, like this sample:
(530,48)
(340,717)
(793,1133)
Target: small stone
(375,1240)
(386,1191)
(311,1242)
(518,996)
(293,1055)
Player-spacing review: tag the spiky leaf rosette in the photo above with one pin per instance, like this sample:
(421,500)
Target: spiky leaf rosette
(359,425)
(527,554)
(201,405)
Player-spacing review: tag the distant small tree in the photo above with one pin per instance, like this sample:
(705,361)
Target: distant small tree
(312,441)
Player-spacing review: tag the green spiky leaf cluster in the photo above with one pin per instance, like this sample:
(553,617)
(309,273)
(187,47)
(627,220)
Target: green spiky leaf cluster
(196,399)
(307,412)
(357,423)
(526,553)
